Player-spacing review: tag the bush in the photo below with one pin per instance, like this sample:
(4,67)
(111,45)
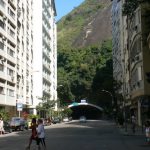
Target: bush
(4,115)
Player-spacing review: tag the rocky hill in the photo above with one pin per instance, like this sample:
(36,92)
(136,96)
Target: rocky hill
(90,23)
(85,52)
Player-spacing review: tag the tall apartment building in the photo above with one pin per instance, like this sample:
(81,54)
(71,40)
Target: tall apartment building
(134,30)
(139,58)
(45,52)
(118,51)
(16,54)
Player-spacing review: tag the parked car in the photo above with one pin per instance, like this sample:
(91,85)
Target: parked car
(7,127)
(65,119)
(70,118)
(18,123)
(82,119)
(47,121)
(56,120)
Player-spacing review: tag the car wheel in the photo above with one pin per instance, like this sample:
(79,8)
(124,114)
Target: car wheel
(22,128)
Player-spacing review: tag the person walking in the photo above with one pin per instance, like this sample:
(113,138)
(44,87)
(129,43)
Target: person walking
(1,126)
(147,131)
(133,123)
(34,135)
(41,134)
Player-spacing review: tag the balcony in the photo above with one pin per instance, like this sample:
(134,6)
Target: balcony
(2,99)
(2,29)
(10,100)
(2,75)
(12,3)
(11,59)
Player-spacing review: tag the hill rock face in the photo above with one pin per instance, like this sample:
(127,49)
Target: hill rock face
(88,24)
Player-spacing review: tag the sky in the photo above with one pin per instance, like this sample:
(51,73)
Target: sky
(63,7)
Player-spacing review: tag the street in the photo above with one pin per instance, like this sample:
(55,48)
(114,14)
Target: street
(92,135)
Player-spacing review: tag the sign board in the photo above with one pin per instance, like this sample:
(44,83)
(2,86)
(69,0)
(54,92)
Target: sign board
(19,106)
(83,101)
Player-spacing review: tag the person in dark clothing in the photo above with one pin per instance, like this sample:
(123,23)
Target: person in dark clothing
(34,133)
(133,123)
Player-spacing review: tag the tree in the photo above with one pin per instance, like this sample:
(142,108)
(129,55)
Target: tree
(103,79)
(67,112)
(46,106)
(131,5)
(64,94)
(77,68)
(4,114)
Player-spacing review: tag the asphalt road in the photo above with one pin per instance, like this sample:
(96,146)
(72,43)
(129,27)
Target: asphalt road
(93,135)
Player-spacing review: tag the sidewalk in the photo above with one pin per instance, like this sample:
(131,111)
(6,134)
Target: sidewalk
(127,130)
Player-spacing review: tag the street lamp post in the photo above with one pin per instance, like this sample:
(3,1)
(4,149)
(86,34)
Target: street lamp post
(112,101)
(112,97)
(59,86)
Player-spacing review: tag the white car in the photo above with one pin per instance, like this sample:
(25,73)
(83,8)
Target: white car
(82,119)
(66,119)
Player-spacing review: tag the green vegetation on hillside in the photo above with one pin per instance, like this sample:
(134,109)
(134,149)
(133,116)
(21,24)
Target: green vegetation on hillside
(79,71)
(83,72)
(70,26)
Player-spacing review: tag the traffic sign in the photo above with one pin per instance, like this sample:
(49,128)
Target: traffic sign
(19,106)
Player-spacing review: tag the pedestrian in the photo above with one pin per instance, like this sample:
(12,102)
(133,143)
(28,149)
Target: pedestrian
(34,135)
(1,126)
(49,121)
(133,123)
(41,134)
(147,131)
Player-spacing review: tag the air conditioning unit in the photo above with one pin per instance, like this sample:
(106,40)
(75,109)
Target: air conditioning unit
(4,18)
(3,38)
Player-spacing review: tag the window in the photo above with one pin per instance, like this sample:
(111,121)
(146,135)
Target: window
(2,24)
(10,72)
(1,90)
(10,12)
(1,67)
(10,92)
(10,52)
(1,45)
(12,33)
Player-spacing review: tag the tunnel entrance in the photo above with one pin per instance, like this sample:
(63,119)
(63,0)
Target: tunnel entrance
(90,111)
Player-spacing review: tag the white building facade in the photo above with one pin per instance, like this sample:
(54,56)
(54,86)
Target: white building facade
(117,43)
(117,39)
(44,52)
(16,54)
(120,53)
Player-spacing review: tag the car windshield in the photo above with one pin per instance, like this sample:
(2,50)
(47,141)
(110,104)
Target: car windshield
(15,119)
(82,117)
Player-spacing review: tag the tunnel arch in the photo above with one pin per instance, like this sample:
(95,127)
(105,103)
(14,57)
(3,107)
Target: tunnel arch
(90,111)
